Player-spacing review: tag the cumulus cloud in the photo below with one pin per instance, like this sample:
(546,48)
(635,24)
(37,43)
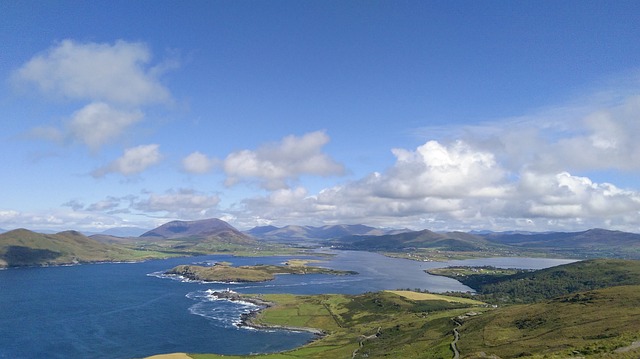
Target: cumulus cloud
(276,164)
(438,171)
(115,81)
(115,73)
(181,203)
(198,163)
(566,196)
(452,187)
(98,123)
(133,161)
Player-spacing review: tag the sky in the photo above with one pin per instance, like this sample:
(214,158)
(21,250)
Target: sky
(442,115)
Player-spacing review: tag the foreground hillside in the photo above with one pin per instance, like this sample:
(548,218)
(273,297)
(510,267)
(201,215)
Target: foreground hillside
(529,287)
(592,324)
(596,324)
(22,247)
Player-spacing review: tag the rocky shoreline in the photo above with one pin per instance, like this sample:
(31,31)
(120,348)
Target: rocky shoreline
(248,319)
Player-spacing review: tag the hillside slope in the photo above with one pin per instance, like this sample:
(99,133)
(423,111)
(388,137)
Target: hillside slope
(200,237)
(528,287)
(592,324)
(591,243)
(195,229)
(22,247)
(452,241)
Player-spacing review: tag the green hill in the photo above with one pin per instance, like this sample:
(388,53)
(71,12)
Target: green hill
(452,241)
(593,243)
(22,247)
(528,287)
(592,324)
(199,237)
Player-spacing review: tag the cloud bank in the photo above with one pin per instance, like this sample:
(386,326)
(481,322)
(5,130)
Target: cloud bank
(519,175)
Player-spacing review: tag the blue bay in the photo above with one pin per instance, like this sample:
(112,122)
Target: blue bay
(127,310)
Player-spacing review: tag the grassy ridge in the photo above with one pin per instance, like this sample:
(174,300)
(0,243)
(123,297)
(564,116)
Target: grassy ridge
(22,247)
(588,324)
(600,324)
(372,325)
(529,287)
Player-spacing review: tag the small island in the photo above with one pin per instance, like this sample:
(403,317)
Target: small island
(225,272)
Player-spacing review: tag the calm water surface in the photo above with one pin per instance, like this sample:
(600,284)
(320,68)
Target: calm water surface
(128,310)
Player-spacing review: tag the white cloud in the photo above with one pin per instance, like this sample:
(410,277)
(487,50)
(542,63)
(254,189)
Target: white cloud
(608,140)
(452,187)
(133,161)
(115,81)
(115,73)
(183,203)
(198,163)
(59,220)
(276,164)
(566,196)
(98,123)
(438,171)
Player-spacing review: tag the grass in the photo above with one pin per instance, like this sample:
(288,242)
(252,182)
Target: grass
(405,328)
(22,247)
(429,296)
(592,323)
(589,325)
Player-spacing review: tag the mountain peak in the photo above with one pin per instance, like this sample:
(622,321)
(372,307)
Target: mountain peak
(199,228)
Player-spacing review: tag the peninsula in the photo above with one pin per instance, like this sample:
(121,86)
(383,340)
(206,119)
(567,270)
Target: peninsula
(225,272)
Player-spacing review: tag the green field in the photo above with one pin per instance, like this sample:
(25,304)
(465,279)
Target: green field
(590,324)
(372,325)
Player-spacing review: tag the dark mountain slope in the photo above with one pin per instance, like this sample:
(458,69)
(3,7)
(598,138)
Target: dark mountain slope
(452,241)
(22,247)
(552,282)
(587,239)
(206,228)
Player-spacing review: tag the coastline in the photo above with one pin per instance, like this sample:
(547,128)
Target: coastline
(247,320)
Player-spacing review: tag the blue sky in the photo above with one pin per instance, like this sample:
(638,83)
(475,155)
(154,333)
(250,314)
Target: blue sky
(447,115)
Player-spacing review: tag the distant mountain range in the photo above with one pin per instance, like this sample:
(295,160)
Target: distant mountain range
(453,241)
(125,231)
(24,247)
(591,243)
(289,234)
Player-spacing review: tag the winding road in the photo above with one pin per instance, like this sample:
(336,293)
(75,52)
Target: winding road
(454,343)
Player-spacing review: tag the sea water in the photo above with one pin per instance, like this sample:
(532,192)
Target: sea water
(132,310)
